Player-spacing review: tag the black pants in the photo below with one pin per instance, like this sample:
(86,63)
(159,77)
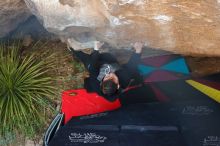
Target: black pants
(84,58)
(133,63)
(93,61)
(88,59)
(132,66)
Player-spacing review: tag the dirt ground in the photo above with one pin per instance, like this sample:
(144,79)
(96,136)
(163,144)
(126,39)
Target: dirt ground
(70,73)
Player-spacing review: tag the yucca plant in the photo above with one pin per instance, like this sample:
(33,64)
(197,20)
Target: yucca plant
(25,90)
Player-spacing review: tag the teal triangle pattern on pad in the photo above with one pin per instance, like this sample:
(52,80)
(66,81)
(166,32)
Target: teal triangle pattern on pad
(164,68)
(145,69)
(177,66)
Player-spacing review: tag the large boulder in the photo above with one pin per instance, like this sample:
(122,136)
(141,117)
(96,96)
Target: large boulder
(12,13)
(186,27)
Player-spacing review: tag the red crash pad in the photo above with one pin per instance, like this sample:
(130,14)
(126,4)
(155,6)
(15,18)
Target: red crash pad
(80,102)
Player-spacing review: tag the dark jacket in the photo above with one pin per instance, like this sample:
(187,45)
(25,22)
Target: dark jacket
(125,74)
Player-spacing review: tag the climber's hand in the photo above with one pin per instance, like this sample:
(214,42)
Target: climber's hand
(138,46)
(98,45)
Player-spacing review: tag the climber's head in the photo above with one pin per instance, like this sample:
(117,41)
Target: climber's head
(110,84)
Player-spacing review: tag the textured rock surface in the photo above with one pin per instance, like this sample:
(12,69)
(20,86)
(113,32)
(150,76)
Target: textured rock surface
(12,13)
(31,27)
(187,27)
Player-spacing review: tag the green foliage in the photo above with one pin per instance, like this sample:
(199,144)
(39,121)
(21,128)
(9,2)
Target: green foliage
(79,69)
(25,89)
(78,66)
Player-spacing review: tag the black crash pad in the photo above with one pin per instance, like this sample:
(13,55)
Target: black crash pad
(187,123)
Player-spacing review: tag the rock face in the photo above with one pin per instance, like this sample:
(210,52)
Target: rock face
(31,28)
(186,27)
(12,13)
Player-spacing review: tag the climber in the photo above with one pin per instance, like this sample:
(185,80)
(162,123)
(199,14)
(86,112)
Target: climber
(106,76)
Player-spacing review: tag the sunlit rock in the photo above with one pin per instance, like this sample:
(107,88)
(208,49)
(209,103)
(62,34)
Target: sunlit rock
(186,27)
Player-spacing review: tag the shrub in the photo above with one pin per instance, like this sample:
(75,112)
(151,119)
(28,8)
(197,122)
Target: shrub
(25,91)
